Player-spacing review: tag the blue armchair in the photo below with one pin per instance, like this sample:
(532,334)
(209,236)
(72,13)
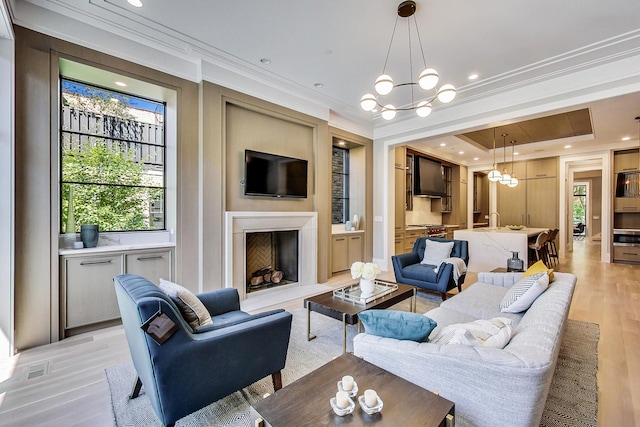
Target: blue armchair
(409,270)
(191,369)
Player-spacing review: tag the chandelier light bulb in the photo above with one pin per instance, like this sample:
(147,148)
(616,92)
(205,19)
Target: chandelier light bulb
(368,102)
(424,109)
(446,93)
(506,178)
(388,112)
(428,79)
(494,175)
(384,84)
(513,182)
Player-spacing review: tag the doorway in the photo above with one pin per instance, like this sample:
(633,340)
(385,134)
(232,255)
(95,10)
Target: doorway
(581,206)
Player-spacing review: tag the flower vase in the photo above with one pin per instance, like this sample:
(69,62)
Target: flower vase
(514,263)
(89,235)
(366,286)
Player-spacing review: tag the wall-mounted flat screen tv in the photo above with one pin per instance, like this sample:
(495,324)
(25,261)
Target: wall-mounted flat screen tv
(429,180)
(272,175)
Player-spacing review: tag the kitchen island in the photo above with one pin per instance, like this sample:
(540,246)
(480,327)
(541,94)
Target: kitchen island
(490,247)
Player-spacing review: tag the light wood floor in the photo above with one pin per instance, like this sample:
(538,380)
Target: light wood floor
(73,389)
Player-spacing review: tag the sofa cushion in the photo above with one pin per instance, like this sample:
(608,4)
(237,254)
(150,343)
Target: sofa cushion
(539,267)
(481,301)
(192,309)
(434,252)
(400,325)
(422,272)
(521,295)
(445,317)
(494,333)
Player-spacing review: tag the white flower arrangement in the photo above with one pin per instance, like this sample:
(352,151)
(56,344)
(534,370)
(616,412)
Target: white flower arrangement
(367,271)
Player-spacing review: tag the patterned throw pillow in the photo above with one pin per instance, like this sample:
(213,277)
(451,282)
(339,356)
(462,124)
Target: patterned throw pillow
(192,309)
(522,294)
(494,333)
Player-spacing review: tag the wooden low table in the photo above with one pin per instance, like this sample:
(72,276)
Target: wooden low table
(347,311)
(306,401)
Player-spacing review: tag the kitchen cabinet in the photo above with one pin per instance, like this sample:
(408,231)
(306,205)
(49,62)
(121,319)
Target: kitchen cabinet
(625,161)
(626,254)
(399,198)
(345,250)
(399,243)
(534,201)
(88,299)
(410,237)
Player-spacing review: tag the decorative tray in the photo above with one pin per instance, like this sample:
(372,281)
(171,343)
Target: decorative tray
(515,227)
(354,294)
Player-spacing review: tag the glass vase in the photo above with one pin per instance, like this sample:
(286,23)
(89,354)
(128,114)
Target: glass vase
(514,263)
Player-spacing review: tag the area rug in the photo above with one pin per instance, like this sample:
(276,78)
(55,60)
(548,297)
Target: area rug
(572,400)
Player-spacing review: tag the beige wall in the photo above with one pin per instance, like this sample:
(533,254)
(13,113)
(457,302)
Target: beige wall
(36,179)
(215,125)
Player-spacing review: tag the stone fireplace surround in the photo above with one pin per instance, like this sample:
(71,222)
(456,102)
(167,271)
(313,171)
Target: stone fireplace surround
(239,223)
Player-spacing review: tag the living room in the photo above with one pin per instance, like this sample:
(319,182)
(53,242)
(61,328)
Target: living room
(212,134)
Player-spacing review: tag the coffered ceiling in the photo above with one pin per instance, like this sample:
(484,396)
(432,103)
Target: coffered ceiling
(320,57)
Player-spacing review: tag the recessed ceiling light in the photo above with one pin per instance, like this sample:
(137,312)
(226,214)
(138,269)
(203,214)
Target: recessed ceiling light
(442,144)
(265,61)
(319,85)
(472,76)
(121,84)
(516,153)
(460,152)
(626,138)
(567,146)
(136,3)
(340,142)
(476,158)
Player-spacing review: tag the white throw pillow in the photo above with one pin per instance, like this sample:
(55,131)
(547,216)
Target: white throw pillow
(192,309)
(494,333)
(434,252)
(522,294)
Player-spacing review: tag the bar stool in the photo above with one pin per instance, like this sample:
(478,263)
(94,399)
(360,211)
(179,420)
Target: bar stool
(538,249)
(552,250)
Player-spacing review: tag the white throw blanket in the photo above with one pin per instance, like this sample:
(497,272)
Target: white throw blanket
(459,267)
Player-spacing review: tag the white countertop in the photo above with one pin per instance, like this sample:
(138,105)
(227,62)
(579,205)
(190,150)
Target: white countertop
(115,248)
(528,231)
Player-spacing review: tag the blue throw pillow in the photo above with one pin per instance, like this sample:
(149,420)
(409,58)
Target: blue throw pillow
(400,325)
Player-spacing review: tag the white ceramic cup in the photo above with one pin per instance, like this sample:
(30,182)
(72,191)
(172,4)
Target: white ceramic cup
(342,399)
(370,398)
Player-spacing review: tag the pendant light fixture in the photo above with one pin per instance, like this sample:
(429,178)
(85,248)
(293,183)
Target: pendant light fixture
(514,181)
(505,178)
(427,80)
(494,175)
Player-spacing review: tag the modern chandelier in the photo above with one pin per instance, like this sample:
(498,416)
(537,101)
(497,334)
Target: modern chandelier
(505,179)
(494,175)
(427,80)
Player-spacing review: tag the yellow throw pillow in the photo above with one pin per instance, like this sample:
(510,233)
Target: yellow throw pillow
(539,267)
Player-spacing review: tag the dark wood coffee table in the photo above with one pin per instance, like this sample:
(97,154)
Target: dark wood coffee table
(305,402)
(325,303)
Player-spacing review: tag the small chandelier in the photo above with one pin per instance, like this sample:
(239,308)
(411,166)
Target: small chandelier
(427,80)
(505,179)
(514,181)
(494,175)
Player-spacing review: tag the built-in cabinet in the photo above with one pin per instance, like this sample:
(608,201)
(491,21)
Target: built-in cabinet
(410,237)
(400,180)
(345,250)
(88,298)
(457,210)
(534,201)
(626,207)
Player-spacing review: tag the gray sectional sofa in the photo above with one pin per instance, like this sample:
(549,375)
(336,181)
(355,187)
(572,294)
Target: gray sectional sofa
(489,386)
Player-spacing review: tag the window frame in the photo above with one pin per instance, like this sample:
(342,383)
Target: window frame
(346,190)
(164,146)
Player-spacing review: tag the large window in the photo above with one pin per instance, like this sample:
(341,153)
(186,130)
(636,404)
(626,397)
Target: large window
(112,154)
(340,186)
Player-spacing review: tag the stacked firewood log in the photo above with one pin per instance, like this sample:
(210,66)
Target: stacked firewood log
(266,276)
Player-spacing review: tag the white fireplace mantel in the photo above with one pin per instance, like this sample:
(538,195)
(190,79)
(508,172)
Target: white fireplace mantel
(239,223)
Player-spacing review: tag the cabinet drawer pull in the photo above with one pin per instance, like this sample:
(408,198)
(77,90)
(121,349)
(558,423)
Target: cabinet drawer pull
(355,237)
(340,240)
(99,261)
(148,257)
